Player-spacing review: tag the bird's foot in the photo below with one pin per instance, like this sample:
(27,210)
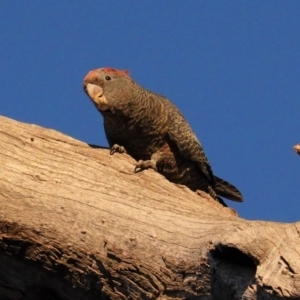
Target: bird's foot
(117,149)
(145,164)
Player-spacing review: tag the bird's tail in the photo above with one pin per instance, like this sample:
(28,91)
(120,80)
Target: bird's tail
(227,190)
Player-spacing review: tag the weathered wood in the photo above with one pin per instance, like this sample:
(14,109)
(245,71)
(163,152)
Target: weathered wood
(297,148)
(77,223)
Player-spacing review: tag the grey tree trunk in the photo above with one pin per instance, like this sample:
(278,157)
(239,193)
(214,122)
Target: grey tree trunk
(77,223)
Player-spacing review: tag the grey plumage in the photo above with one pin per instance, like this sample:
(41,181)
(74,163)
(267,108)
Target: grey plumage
(153,131)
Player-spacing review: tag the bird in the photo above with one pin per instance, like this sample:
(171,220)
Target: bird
(151,129)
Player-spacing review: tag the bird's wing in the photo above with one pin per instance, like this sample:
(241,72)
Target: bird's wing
(180,132)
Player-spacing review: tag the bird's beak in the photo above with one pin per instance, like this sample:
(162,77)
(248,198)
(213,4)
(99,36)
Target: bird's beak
(94,91)
(91,77)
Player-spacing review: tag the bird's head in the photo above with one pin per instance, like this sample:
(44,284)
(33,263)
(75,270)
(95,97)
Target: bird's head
(107,86)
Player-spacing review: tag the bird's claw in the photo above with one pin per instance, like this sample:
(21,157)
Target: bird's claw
(145,164)
(117,149)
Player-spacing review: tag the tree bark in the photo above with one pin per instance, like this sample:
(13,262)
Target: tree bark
(78,223)
(297,148)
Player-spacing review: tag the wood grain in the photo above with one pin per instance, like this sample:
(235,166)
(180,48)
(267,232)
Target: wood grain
(78,223)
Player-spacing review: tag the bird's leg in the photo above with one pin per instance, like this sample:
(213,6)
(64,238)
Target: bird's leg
(117,148)
(147,164)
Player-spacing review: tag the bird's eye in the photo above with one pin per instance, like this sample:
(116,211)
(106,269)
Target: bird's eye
(107,78)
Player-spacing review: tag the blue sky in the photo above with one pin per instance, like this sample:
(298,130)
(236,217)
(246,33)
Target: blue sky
(232,67)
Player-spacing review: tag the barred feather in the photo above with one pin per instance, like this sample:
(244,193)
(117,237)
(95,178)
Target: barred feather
(150,127)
